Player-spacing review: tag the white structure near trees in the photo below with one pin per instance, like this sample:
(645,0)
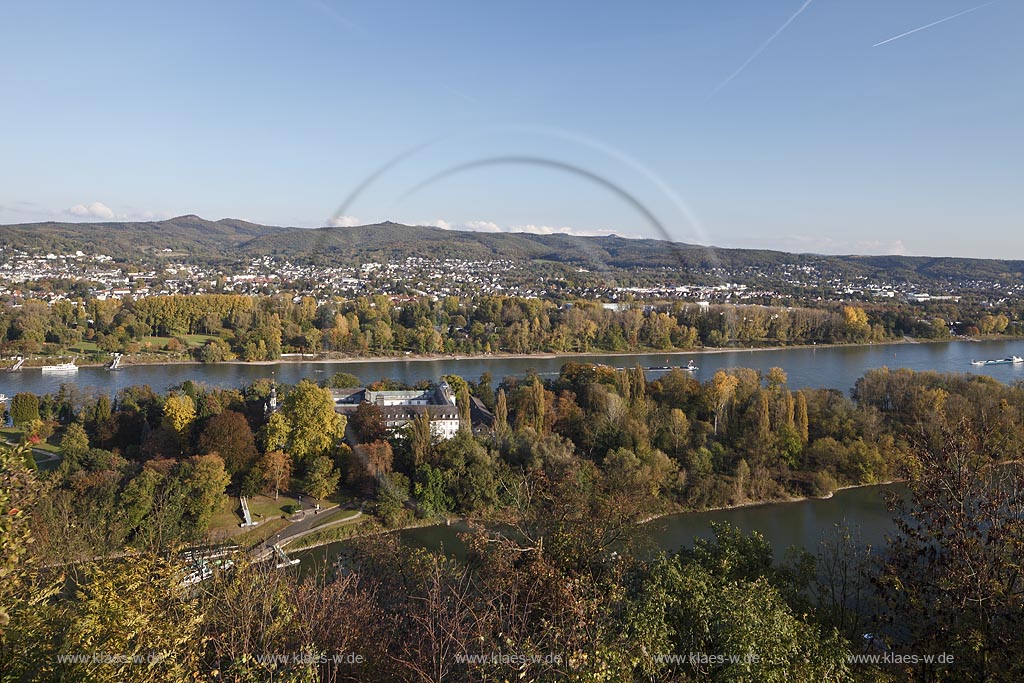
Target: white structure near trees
(399,408)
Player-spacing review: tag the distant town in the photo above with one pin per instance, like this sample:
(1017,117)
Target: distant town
(51,277)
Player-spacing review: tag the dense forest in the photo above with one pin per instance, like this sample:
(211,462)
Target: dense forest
(219,327)
(93,548)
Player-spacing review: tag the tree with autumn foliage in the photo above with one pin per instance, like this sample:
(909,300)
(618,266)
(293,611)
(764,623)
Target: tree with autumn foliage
(277,470)
(228,435)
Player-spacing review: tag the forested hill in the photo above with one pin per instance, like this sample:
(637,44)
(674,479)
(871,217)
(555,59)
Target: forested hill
(231,238)
(190,234)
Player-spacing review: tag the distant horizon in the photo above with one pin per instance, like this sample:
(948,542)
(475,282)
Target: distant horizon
(804,126)
(509,232)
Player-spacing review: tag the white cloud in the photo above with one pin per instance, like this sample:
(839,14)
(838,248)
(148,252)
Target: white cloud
(491,226)
(821,244)
(344,222)
(483,226)
(896,248)
(559,230)
(94,210)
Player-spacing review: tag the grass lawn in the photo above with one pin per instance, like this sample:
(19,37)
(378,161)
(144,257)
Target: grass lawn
(229,515)
(48,447)
(198,339)
(13,434)
(261,533)
(191,340)
(84,347)
(334,533)
(268,507)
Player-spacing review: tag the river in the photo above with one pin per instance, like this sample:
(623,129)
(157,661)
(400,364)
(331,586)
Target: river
(836,367)
(802,523)
(787,524)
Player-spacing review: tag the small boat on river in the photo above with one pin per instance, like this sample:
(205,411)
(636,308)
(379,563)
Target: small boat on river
(1009,360)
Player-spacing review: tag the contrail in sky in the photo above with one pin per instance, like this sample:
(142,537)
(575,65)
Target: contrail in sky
(762,48)
(935,23)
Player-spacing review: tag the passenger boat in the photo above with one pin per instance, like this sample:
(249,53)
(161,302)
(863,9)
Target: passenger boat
(61,368)
(1009,360)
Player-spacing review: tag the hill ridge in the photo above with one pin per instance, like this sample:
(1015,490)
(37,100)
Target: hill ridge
(229,239)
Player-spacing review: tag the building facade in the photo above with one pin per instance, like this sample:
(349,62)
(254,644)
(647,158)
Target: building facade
(399,408)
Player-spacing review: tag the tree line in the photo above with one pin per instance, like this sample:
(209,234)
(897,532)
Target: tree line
(217,327)
(575,463)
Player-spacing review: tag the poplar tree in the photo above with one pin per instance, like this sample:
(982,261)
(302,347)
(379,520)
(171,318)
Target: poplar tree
(801,416)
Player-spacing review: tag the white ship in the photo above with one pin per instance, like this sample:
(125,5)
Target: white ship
(61,368)
(1009,360)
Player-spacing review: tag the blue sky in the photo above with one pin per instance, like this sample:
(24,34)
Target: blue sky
(277,111)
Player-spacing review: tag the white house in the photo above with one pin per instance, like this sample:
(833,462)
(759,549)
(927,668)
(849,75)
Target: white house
(399,408)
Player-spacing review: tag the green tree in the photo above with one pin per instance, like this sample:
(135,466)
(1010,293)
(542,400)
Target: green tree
(275,432)
(722,390)
(762,423)
(24,408)
(204,480)
(421,438)
(392,495)
(137,608)
(315,426)
(75,442)
(725,597)
(800,417)
(343,380)
(321,477)
(431,490)
(179,414)
(501,414)
(19,491)
(532,408)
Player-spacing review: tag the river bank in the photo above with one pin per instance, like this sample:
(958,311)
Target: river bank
(822,366)
(774,501)
(462,523)
(128,361)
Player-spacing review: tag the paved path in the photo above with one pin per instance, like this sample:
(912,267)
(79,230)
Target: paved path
(47,456)
(299,529)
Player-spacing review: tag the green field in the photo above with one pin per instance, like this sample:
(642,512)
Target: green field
(156,344)
(191,340)
(14,435)
(84,347)
(262,508)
